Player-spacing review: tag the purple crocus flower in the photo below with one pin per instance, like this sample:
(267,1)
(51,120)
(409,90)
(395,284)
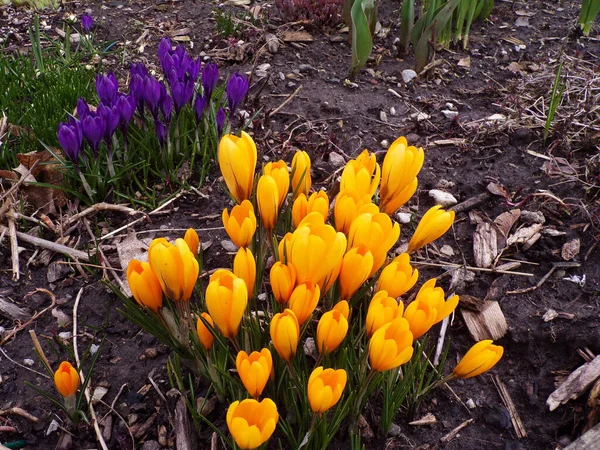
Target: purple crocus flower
(220,121)
(93,126)
(210,76)
(138,69)
(111,117)
(126,106)
(164,48)
(199,105)
(107,87)
(87,23)
(194,69)
(82,109)
(237,88)
(70,137)
(152,95)
(166,103)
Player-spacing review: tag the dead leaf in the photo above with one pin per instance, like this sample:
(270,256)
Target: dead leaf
(296,36)
(238,2)
(255,11)
(61,318)
(570,250)
(505,221)
(498,189)
(485,245)
(559,166)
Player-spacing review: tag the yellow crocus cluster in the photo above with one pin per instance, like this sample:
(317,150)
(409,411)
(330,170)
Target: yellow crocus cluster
(311,262)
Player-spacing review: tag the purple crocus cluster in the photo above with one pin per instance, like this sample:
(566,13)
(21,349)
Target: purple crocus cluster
(146,93)
(115,110)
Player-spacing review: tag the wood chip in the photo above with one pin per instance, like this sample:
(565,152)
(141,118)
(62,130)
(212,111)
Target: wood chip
(428,419)
(485,245)
(576,384)
(296,36)
(512,410)
(490,323)
(448,437)
(588,441)
(571,249)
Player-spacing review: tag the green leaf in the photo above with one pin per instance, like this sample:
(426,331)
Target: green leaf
(439,22)
(587,15)
(363,15)
(407,23)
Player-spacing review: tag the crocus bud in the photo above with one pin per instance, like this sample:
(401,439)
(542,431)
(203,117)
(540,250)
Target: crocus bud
(199,106)
(83,109)
(192,239)
(317,202)
(343,307)
(111,117)
(87,23)
(479,359)
(283,281)
(325,387)
(382,309)
(152,95)
(285,334)
(70,138)
(398,277)
(356,268)
(244,266)
(304,299)
(165,103)
(301,180)
(204,334)
(348,206)
(435,297)
(391,346)
(107,87)
(226,301)
(401,165)
(377,232)
(237,161)
(210,76)
(251,423)
(267,198)
(66,379)
(361,175)
(241,224)
(164,48)
(279,171)
(126,108)
(331,331)
(175,266)
(254,370)
(159,128)
(236,89)
(434,223)
(93,127)
(144,285)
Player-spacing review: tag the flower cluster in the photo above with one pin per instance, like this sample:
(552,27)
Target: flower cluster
(331,284)
(185,85)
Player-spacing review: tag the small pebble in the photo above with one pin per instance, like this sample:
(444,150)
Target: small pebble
(408,75)
(442,197)
(28,362)
(471,404)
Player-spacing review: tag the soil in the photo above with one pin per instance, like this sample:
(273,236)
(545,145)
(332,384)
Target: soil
(463,155)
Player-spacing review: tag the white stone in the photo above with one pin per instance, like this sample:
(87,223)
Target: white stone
(408,75)
(28,362)
(403,218)
(449,114)
(442,197)
(446,250)
(336,159)
(471,404)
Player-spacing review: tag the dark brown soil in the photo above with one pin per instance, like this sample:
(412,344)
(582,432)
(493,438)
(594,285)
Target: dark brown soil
(329,115)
